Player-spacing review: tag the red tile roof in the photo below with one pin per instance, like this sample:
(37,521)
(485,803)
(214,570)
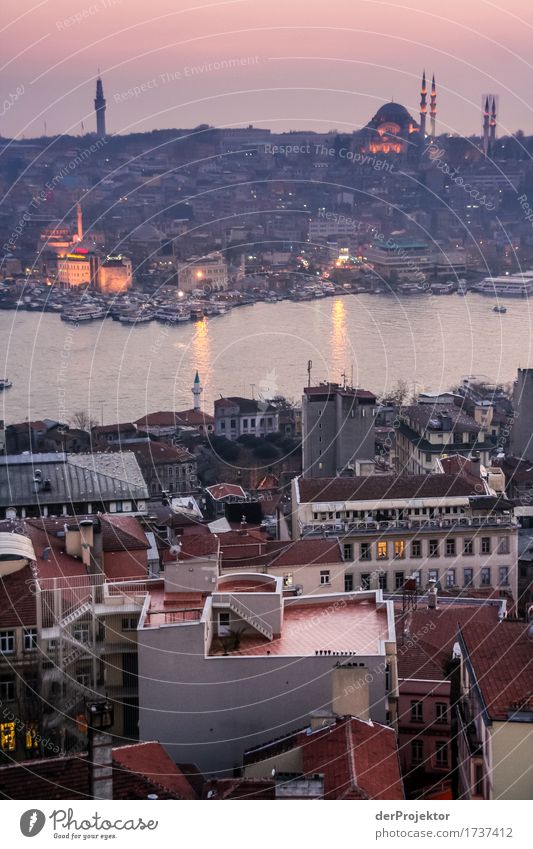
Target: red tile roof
(358,759)
(223,490)
(135,776)
(122,532)
(502,658)
(17,599)
(305,552)
(173,418)
(160,452)
(197,545)
(425,638)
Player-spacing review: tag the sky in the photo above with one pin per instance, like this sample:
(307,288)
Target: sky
(283,64)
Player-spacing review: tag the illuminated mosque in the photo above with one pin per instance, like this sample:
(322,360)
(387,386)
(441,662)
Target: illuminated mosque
(394,130)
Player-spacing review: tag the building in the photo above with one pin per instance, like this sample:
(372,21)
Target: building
(61,484)
(427,431)
(495,739)
(338,428)
(522,430)
(433,527)
(79,268)
(265,662)
(347,757)
(236,417)
(400,259)
(427,695)
(165,468)
(115,275)
(208,273)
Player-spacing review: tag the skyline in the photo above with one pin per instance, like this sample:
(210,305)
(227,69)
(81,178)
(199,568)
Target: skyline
(227,64)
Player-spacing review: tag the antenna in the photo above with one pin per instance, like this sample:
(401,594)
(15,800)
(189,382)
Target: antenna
(309,367)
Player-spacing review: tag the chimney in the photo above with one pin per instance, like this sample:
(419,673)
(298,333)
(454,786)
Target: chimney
(432,595)
(475,463)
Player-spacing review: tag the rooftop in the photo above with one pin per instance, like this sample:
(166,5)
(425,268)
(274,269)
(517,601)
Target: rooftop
(382,487)
(330,625)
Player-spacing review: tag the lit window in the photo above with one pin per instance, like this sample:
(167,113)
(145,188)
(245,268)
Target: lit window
(288,579)
(399,548)
(382,550)
(7,736)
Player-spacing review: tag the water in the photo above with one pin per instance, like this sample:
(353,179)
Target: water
(118,373)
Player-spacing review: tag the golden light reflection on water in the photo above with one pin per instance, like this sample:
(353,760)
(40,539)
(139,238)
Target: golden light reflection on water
(338,338)
(201,350)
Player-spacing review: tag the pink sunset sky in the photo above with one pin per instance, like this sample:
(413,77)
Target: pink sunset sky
(305,63)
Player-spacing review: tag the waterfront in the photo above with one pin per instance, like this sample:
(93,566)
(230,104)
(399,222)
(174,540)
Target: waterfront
(120,372)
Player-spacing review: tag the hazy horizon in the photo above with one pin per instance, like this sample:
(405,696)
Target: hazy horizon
(285,66)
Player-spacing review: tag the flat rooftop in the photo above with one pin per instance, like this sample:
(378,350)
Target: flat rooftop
(333,626)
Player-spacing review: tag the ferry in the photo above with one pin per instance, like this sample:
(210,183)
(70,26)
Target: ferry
(512,285)
(83,313)
(139,317)
(172,315)
(443,288)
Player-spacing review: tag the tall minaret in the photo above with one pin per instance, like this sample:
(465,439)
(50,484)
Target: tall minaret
(196,392)
(486,119)
(423,107)
(79,217)
(493,124)
(433,108)
(99,105)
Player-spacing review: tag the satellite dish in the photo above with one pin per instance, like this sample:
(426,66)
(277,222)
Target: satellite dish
(529,632)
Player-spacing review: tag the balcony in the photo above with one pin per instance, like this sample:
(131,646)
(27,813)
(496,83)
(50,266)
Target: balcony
(337,527)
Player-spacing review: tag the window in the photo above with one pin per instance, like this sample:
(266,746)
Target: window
(382,550)
(129,623)
(503,545)
(7,642)
(441,751)
(8,742)
(433,575)
(399,580)
(365,581)
(450,548)
(348,583)
(485,576)
(450,578)
(7,690)
(428,458)
(433,548)
(416,548)
(441,712)
(222,425)
(81,633)
(325,577)
(485,545)
(365,551)
(347,551)
(468,547)
(382,582)
(417,751)
(252,422)
(503,576)
(417,575)
(288,579)
(232,424)
(245,423)
(399,549)
(468,577)
(30,639)
(223,624)
(417,712)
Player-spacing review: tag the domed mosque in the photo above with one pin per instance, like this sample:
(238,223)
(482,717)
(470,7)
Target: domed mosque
(394,130)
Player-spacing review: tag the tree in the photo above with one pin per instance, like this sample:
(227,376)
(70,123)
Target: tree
(82,420)
(397,395)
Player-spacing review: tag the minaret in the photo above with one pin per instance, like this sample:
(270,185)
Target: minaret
(79,217)
(493,124)
(423,107)
(486,127)
(433,107)
(196,392)
(99,105)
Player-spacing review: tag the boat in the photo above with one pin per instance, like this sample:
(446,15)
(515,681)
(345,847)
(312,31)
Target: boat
(83,313)
(462,288)
(443,288)
(5,383)
(507,286)
(140,317)
(172,316)
(499,308)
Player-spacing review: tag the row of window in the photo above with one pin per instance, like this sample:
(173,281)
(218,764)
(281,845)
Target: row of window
(398,549)
(8,641)
(417,712)
(451,578)
(269,421)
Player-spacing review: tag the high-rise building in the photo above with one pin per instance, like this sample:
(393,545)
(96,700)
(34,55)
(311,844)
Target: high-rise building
(522,430)
(338,428)
(99,105)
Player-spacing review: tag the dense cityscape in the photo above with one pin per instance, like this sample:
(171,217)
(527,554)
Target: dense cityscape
(219,584)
